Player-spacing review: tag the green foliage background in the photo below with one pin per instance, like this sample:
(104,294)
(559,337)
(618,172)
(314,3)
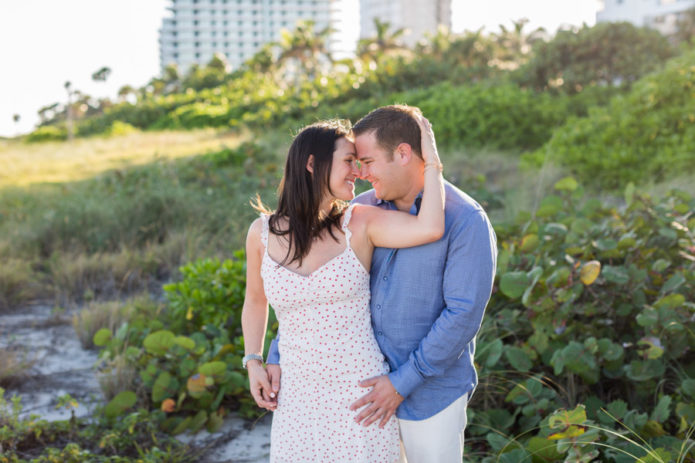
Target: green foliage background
(585,353)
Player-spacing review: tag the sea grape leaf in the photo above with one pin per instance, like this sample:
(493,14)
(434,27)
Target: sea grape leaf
(513,284)
(662,410)
(615,274)
(688,387)
(159,342)
(590,271)
(101,337)
(518,359)
(566,184)
(119,404)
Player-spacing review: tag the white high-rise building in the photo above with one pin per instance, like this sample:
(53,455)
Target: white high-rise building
(417,16)
(658,14)
(197,29)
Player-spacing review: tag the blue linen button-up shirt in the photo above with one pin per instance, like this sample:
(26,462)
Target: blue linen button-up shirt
(427,305)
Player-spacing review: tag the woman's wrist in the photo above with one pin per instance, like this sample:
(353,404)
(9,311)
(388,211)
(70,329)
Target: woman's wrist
(434,164)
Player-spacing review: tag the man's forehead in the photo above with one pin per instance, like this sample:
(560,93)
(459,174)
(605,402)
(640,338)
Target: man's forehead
(366,145)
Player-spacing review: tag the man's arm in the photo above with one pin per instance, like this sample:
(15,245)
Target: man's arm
(467,283)
(468,277)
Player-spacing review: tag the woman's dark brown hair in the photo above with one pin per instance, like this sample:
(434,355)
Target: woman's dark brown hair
(300,192)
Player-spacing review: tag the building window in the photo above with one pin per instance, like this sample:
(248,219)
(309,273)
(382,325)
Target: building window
(195,11)
(197,55)
(195,22)
(196,33)
(197,44)
(176,55)
(214,44)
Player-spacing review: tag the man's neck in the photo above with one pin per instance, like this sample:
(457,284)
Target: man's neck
(405,202)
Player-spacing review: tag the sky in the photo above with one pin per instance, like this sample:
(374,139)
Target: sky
(44,43)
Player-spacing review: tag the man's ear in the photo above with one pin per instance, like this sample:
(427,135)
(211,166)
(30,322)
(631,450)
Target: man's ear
(310,163)
(404,153)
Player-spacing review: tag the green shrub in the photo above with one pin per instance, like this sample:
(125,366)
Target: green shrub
(47,133)
(592,305)
(189,359)
(18,283)
(119,128)
(135,437)
(646,135)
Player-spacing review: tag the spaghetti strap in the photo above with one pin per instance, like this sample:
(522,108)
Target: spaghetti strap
(264,230)
(346,220)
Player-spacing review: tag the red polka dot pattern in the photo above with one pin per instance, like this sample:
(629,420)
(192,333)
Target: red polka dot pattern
(326,346)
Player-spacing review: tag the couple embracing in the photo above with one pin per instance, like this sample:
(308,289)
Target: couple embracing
(378,301)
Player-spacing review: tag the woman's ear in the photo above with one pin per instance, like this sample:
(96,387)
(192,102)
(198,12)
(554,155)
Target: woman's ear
(310,164)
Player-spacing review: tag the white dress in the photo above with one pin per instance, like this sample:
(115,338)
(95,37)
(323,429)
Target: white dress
(326,346)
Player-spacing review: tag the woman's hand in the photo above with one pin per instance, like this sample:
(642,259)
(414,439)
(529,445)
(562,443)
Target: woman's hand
(259,385)
(429,147)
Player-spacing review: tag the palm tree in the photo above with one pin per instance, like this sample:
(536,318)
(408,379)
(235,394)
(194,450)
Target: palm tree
(514,45)
(102,74)
(263,61)
(685,26)
(125,91)
(383,44)
(304,50)
(436,46)
(16,118)
(68,110)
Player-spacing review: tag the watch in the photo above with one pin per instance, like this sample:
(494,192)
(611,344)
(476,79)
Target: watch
(248,357)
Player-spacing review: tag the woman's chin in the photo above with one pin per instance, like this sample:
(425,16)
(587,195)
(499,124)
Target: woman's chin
(348,196)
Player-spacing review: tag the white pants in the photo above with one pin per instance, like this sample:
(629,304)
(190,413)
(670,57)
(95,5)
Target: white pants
(438,438)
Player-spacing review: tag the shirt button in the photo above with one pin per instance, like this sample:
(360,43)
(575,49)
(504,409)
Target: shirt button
(378,307)
(379,333)
(386,278)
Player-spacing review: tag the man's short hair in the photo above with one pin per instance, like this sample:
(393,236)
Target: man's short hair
(392,125)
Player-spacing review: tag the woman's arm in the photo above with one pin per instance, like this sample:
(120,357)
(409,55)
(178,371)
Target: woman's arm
(254,318)
(392,229)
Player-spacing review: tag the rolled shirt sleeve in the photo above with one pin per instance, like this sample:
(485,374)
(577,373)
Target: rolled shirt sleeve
(273,352)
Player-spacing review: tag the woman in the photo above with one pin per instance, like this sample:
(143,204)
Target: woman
(310,259)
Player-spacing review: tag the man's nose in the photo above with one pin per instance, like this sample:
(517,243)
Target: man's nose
(362,171)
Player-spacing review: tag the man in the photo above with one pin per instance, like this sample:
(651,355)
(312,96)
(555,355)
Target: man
(427,302)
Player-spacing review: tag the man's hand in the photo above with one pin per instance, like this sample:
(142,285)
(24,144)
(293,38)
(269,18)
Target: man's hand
(274,373)
(260,386)
(383,401)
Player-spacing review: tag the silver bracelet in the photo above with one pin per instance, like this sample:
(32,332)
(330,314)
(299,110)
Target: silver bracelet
(248,357)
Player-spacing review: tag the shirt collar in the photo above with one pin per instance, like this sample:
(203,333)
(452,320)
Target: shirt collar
(416,203)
